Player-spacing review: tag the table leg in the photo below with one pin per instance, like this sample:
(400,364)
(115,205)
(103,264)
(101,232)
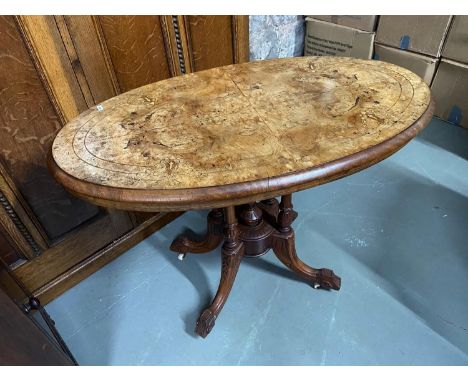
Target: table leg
(231,255)
(252,236)
(282,243)
(212,239)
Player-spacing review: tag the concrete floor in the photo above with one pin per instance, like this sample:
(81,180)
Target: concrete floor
(396,233)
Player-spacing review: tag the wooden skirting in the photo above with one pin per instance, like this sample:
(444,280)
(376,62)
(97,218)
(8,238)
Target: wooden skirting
(96,261)
(91,264)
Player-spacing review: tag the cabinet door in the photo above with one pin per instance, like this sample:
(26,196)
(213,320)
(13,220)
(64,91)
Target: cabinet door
(23,343)
(51,69)
(39,214)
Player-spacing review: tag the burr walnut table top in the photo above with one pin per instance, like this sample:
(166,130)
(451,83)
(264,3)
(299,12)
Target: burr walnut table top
(239,133)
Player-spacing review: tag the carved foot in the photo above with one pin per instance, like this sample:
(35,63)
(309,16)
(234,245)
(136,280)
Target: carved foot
(282,243)
(205,323)
(231,256)
(183,244)
(213,238)
(327,279)
(284,249)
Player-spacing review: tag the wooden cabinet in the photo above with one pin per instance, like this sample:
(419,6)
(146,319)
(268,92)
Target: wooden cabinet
(23,342)
(51,69)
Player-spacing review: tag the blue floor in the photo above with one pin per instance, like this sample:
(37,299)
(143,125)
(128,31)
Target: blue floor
(396,233)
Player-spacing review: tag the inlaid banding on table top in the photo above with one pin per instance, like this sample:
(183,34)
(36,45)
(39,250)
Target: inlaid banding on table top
(240,123)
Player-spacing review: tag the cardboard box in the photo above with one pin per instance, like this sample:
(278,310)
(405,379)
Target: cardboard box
(420,34)
(424,66)
(364,22)
(450,91)
(456,44)
(327,39)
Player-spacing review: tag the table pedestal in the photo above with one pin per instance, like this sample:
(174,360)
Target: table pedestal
(251,230)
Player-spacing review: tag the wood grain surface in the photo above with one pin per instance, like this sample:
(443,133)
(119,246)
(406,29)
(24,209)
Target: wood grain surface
(51,59)
(239,132)
(136,48)
(28,124)
(23,342)
(92,56)
(208,34)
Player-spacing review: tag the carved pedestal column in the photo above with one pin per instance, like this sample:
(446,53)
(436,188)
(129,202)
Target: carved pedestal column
(251,230)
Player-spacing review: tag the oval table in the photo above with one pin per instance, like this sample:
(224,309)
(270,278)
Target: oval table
(234,138)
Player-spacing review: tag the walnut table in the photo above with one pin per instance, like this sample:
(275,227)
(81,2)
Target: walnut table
(232,139)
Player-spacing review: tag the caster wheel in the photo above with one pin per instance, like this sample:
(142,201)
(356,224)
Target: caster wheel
(181,256)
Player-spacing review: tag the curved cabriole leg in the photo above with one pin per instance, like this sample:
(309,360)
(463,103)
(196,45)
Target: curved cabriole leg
(213,238)
(231,254)
(284,248)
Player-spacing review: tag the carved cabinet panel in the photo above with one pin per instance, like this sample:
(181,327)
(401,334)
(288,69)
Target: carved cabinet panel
(51,69)
(138,57)
(28,124)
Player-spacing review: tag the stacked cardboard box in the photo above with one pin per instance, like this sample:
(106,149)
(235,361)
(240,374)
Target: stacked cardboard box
(348,36)
(434,47)
(450,85)
(424,66)
(419,34)
(364,23)
(413,42)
